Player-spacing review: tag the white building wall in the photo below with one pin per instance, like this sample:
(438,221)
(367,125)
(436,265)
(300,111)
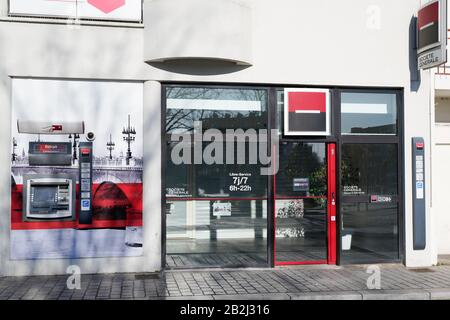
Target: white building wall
(441,157)
(441,174)
(362,43)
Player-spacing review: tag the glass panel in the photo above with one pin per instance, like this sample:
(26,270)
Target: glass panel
(369,169)
(280,111)
(224,220)
(178,177)
(301,231)
(301,204)
(217,108)
(302,170)
(216,233)
(368,113)
(370,232)
(231,180)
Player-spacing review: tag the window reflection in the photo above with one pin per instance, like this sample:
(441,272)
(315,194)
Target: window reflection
(241,108)
(369,169)
(368,113)
(370,232)
(301,203)
(216,213)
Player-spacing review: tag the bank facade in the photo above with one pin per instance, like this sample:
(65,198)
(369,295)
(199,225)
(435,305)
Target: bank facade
(109,114)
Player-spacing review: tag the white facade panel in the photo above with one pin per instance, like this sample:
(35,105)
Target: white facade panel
(355,43)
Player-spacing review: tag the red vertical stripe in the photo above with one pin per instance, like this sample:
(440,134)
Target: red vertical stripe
(332,208)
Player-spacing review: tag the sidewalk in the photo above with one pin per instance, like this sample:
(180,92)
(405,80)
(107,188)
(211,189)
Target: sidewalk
(311,282)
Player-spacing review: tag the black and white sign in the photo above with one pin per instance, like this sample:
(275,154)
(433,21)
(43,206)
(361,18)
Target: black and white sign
(222,209)
(380,199)
(301,184)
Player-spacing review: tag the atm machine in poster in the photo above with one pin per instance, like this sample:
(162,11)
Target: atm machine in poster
(76,184)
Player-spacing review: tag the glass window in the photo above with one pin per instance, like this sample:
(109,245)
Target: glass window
(217,108)
(223,221)
(369,169)
(178,176)
(369,222)
(370,232)
(231,180)
(301,203)
(368,113)
(303,170)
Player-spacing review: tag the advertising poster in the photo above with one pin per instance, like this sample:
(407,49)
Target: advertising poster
(125,10)
(46,194)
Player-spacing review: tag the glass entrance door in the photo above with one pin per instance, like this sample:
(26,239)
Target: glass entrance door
(369,203)
(304,205)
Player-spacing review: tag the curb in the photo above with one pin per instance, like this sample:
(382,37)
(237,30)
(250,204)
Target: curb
(274,296)
(428,294)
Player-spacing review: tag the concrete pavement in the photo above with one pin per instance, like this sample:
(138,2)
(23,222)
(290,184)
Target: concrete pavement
(287,283)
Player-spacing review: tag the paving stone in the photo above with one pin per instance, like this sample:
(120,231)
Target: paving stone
(312,282)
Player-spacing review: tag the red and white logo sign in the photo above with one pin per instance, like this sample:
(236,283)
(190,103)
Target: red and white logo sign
(57,127)
(306,112)
(107,6)
(428,24)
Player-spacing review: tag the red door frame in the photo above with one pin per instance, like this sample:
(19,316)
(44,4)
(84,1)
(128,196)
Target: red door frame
(331,213)
(332,236)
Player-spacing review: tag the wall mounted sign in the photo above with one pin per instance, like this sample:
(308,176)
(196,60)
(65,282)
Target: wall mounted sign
(380,199)
(222,209)
(124,10)
(306,112)
(432,34)
(418,193)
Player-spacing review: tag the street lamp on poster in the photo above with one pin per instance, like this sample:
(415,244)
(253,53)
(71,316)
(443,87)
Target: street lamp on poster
(75,137)
(129,133)
(14,145)
(110,146)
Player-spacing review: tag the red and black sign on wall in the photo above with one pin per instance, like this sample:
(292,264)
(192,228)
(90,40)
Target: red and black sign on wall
(432,34)
(306,112)
(428,25)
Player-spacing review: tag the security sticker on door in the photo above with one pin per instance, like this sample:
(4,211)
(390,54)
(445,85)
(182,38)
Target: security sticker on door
(85,205)
(419,190)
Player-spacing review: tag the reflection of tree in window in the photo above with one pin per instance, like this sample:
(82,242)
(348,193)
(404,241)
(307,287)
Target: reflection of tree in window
(349,173)
(302,161)
(371,167)
(183,119)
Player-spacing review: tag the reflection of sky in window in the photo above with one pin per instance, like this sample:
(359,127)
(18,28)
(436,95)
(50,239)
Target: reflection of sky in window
(319,150)
(243,104)
(367,110)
